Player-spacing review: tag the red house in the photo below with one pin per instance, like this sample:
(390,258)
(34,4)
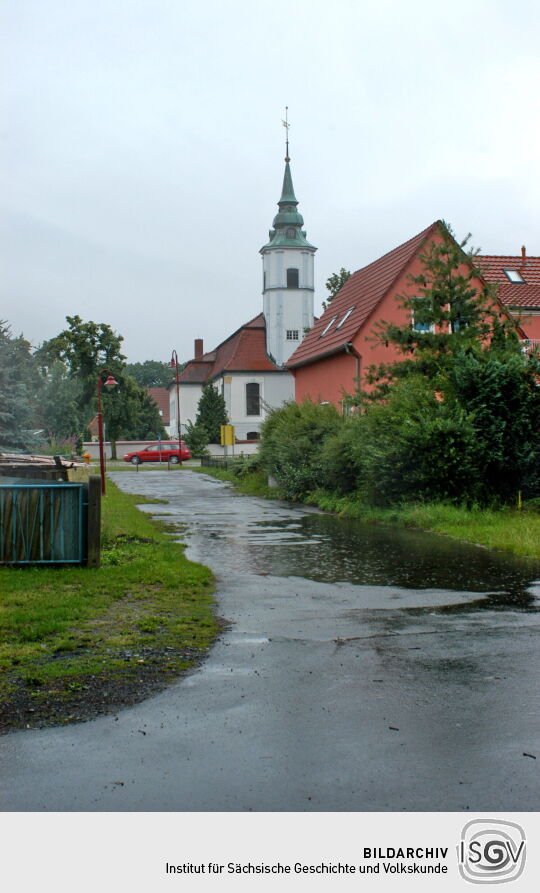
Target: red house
(340,347)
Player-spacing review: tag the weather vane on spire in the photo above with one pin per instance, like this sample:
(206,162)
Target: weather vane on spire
(286,126)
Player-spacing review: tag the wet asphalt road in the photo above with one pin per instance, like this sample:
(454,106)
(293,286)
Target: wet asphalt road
(408,684)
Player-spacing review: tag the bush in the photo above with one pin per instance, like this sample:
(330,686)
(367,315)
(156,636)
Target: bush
(196,439)
(341,458)
(502,399)
(248,465)
(416,448)
(292,440)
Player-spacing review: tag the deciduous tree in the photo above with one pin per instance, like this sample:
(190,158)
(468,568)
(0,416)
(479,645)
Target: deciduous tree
(334,283)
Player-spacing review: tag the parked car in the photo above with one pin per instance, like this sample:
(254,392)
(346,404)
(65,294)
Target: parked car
(166,451)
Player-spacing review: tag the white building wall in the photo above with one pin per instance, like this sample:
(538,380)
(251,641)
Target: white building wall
(274,390)
(190,394)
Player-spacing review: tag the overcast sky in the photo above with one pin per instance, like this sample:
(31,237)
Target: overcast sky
(142,148)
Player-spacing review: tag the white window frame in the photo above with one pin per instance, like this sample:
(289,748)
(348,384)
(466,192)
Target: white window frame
(345,317)
(510,274)
(329,326)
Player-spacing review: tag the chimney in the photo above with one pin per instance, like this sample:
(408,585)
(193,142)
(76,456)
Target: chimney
(523,255)
(198,348)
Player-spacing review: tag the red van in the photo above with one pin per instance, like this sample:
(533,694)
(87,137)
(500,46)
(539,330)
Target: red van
(165,451)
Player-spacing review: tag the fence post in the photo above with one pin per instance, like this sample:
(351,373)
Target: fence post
(93,529)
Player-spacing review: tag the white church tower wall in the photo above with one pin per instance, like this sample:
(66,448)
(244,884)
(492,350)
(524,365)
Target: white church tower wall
(288,277)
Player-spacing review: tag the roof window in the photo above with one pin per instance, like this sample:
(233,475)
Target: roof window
(514,276)
(345,317)
(329,326)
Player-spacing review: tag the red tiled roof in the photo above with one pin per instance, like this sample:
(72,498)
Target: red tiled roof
(195,371)
(161,397)
(243,351)
(513,294)
(493,267)
(363,291)
(520,295)
(256,323)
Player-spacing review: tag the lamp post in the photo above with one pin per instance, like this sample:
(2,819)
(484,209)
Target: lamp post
(110,383)
(174,365)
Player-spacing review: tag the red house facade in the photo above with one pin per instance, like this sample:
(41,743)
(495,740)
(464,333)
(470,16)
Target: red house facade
(335,355)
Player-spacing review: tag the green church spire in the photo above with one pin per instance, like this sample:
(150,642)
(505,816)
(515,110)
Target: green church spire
(287,193)
(287,225)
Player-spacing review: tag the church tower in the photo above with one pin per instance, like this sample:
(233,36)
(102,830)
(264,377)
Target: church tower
(288,275)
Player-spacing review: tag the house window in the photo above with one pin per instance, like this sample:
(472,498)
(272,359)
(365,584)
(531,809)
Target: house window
(345,317)
(514,276)
(292,334)
(418,323)
(329,326)
(253,435)
(292,277)
(253,398)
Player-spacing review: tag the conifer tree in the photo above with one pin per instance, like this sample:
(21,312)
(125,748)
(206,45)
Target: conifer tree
(211,412)
(452,312)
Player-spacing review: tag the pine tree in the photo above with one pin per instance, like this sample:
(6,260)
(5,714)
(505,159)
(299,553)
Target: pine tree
(211,412)
(449,314)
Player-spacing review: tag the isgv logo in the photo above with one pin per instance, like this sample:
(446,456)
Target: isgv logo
(491,851)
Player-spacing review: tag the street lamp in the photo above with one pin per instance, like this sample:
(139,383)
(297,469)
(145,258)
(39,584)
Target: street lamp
(174,365)
(109,384)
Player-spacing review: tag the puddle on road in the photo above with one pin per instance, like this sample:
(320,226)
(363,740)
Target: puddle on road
(329,550)
(236,534)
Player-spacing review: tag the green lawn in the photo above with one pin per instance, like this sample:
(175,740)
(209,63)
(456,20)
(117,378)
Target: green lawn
(78,641)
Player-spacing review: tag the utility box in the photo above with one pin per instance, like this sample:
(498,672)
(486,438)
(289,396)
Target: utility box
(50,523)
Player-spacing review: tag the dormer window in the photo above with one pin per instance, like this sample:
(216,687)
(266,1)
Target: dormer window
(329,326)
(514,276)
(292,277)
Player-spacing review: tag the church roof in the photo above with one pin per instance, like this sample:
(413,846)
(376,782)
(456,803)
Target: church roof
(243,351)
(355,301)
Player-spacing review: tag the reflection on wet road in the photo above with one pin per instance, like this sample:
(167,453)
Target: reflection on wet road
(362,668)
(239,535)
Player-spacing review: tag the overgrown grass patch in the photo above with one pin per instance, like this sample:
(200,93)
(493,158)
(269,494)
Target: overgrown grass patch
(78,641)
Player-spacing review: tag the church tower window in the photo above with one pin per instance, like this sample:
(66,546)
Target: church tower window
(292,277)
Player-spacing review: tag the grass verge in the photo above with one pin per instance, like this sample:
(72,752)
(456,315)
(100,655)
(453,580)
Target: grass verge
(77,642)
(254,483)
(505,529)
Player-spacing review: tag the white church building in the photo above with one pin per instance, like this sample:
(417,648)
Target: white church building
(248,366)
